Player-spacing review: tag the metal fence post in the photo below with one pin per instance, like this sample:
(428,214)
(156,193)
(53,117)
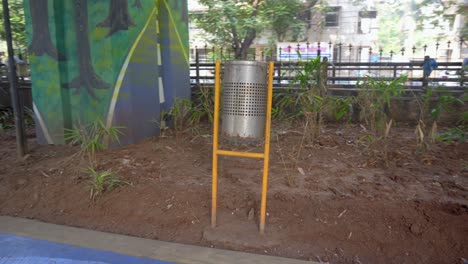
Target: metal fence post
(15,96)
(197,65)
(318,50)
(339,52)
(461,47)
(334,73)
(448,51)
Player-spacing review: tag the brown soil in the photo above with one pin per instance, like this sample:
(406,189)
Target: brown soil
(339,202)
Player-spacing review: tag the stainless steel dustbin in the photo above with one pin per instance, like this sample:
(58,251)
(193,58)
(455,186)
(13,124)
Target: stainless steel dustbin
(244,99)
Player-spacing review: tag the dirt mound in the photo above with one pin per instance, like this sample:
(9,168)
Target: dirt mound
(336,200)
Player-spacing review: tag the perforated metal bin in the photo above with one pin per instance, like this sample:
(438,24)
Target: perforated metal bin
(244,99)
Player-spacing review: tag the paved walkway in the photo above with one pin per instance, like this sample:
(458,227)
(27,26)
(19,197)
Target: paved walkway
(29,241)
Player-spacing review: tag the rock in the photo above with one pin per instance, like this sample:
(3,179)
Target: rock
(169,206)
(251,214)
(301,171)
(125,162)
(416,229)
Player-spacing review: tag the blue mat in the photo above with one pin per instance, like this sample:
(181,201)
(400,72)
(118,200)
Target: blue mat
(23,250)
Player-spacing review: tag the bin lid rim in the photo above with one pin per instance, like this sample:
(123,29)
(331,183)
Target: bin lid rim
(245,62)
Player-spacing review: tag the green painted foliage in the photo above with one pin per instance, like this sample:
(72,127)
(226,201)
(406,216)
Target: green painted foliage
(62,106)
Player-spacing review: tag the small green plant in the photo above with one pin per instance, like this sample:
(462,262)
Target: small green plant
(161,123)
(182,114)
(6,119)
(465,167)
(186,114)
(464,119)
(28,116)
(431,108)
(101,181)
(457,134)
(367,141)
(290,178)
(340,107)
(92,138)
(307,98)
(204,102)
(388,127)
(374,101)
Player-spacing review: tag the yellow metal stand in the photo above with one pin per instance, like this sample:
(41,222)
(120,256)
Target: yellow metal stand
(265,155)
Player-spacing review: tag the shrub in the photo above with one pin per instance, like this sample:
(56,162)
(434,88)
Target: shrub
(374,102)
(430,110)
(101,181)
(457,134)
(92,137)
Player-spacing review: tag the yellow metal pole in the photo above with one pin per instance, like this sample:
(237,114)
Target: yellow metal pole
(266,160)
(241,154)
(214,189)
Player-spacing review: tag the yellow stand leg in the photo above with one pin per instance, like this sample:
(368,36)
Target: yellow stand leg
(267,149)
(214,190)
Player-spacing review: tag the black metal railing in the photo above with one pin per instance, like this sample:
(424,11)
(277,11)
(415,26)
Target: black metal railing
(449,76)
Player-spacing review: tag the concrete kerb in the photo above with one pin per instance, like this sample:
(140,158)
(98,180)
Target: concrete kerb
(132,246)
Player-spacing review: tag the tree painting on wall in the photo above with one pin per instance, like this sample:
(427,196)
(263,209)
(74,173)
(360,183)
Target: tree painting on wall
(87,77)
(184,9)
(41,43)
(94,75)
(137,4)
(119,16)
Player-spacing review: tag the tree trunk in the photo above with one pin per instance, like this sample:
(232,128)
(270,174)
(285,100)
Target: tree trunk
(238,54)
(185,13)
(137,4)
(87,77)
(280,34)
(245,45)
(41,43)
(241,53)
(241,49)
(118,18)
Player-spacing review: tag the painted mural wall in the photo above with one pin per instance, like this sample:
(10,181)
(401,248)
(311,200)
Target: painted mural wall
(121,61)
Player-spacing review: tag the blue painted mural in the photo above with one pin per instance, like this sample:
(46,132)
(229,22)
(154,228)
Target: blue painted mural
(22,250)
